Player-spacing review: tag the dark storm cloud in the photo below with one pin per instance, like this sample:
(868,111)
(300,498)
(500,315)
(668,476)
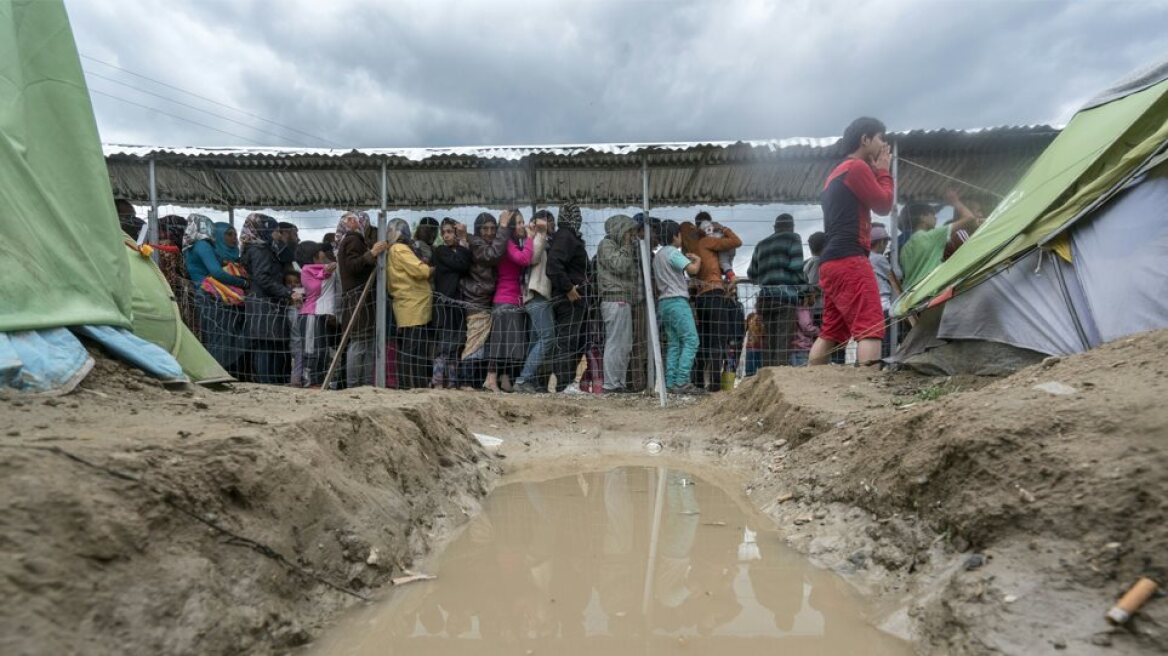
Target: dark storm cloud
(435,73)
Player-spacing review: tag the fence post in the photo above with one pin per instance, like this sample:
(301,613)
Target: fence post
(893,230)
(379,367)
(152,218)
(650,306)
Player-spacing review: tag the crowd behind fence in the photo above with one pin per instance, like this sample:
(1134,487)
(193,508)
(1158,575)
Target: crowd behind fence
(598,343)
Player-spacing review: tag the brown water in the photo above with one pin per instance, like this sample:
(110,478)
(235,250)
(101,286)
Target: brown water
(635,560)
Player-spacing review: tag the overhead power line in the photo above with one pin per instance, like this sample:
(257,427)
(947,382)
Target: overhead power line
(176,116)
(213,101)
(197,109)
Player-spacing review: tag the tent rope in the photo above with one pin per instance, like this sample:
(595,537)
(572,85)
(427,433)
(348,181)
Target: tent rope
(952,178)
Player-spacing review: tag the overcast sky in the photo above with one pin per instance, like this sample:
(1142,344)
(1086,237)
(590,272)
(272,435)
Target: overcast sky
(376,73)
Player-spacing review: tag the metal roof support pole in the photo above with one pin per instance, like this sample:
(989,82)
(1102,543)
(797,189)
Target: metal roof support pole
(382,217)
(532,180)
(231,217)
(893,228)
(650,306)
(152,219)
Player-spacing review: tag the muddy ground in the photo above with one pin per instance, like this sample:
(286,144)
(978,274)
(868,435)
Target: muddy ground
(983,515)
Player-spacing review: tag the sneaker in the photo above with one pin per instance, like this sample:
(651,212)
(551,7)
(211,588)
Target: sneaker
(688,389)
(524,387)
(573,388)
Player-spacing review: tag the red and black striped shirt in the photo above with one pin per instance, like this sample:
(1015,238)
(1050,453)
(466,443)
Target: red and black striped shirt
(852,192)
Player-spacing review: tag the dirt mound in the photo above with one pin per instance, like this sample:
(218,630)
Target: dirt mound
(137,520)
(991,515)
(1055,473)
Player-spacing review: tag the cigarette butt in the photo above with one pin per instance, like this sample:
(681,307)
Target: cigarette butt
(1131,601)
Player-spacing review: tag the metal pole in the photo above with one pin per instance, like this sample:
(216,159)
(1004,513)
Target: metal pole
(893,229)
(380,375)
(650,306)
(152,218)
(231,217)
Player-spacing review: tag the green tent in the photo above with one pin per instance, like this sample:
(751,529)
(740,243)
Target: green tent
(65,260)
(1115,138)
(59,238)
(157,319)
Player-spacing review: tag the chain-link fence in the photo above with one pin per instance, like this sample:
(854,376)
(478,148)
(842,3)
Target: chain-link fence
(599,343)
(505,326)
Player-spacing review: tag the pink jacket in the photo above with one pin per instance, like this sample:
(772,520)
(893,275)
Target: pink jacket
(509,286)
(318,289)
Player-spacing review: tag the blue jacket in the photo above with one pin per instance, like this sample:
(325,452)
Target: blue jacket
(202,262)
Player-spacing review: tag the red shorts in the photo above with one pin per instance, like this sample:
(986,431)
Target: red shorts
(851,300)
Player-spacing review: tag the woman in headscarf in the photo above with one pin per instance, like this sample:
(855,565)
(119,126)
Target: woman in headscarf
(268,299)
(356,261)
(409,286)
(452,260)
(507,348)
(424,238)
(487,246)
(226,243)
(170,262)
(219,305)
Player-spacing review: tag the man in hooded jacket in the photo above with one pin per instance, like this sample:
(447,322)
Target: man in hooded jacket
(567,269)
(616,264)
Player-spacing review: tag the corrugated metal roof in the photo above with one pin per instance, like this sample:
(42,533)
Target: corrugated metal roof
(709,173)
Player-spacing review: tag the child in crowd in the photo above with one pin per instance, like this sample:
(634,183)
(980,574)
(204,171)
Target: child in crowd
(670,268)
(296,345)
(317,312)
(755,343)
(706,225)
(808,331)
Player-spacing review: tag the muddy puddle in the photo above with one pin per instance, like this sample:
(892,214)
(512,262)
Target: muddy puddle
(635,560)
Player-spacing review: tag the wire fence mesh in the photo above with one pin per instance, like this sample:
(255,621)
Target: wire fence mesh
(501,325)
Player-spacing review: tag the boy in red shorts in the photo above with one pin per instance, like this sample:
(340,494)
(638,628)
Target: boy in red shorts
(851,298)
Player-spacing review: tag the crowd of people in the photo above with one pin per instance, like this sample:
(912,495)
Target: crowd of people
(510,305)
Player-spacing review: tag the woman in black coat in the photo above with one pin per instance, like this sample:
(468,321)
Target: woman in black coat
(266,305)
(451,262)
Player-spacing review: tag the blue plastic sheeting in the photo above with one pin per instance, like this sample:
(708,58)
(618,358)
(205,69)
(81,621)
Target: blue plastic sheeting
(49,361)
(130,348)
(53,361)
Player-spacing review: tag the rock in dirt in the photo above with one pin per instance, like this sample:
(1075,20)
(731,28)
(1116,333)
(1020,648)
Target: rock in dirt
(488,441)
(974,561)
(412,578)
(1101,640)
(1056,388)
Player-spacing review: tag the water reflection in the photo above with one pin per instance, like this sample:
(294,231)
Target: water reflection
(630,561)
